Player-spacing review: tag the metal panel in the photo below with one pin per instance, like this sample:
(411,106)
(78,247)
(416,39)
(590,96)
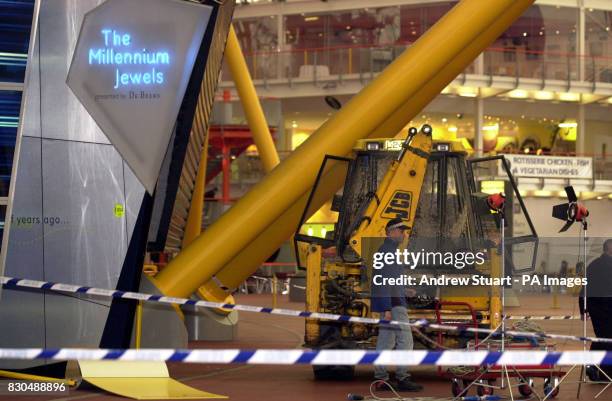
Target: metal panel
(23,310)
(134,192)
(74,322)
(85,242)
(82,184)
(63,115)
(25,253)
(22,115)
(31,97)
(70,197)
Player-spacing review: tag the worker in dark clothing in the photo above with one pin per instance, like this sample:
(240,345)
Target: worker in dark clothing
(390,301)
(599,303)
(563,269)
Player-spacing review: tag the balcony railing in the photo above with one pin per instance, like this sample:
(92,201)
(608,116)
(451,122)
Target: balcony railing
(316,64)
(249,171)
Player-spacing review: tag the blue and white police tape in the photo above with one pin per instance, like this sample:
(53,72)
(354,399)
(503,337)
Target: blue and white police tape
(422,323)
(318,357)
(455,316)
(544,317)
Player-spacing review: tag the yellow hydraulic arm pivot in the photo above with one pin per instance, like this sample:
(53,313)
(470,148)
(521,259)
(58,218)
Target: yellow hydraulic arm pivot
(397,196)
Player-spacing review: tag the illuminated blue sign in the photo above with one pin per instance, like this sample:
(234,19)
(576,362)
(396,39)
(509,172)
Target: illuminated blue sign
(117,51)
(130,69)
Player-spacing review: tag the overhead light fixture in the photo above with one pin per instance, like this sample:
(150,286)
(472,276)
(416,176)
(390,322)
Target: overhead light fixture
(609,100)
(452,128)
(569,97)
(518,94)
(544,95)
(493,127)
(309,19)
(467,92)
(294,124)
(492,187)
(568,125)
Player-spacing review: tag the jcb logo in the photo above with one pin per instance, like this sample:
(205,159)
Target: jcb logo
(398,206)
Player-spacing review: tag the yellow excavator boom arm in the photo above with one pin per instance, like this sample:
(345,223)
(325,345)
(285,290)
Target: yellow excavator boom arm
(397,196)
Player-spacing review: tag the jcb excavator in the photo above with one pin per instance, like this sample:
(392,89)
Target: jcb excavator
(431,186)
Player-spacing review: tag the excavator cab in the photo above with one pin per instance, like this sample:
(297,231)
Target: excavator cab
(451,208)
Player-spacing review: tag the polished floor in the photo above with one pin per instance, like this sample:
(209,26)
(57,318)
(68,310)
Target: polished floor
(296,383)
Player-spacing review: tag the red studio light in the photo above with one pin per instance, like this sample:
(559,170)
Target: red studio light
(496,202)
(571,211)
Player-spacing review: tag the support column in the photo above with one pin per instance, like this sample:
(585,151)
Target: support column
(280,45)
(478,123)
(480,64)
(250,103)
(227,172)
(581,131)
(196,210)
(581,42)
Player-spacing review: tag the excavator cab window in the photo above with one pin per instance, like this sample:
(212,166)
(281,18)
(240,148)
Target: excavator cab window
(444,217)
(319,209)
(493,175)
(444,210)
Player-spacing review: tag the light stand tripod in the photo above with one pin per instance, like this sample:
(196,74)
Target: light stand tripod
(583,379)
(504,369)
(497,204)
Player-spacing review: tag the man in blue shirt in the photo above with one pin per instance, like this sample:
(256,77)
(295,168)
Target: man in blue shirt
(390,302)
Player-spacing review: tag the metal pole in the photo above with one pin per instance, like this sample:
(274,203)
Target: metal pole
(250,102)
(226,168)
(581,137)
(138,325)
(274,285)
(581,42)
(193,228)
(503,293)
(478,139)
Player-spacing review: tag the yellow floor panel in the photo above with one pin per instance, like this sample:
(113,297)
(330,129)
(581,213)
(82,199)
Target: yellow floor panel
(139,380)
(150,388)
